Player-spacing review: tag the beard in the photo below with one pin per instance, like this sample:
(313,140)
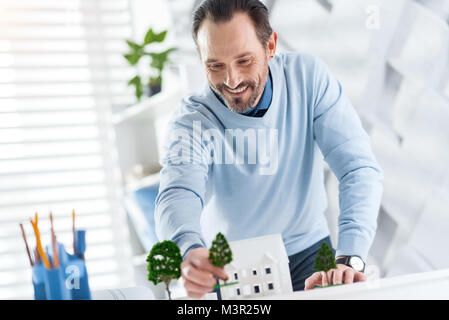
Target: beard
(237,104)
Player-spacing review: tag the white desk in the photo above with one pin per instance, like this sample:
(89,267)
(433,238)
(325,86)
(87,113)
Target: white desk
(417,286)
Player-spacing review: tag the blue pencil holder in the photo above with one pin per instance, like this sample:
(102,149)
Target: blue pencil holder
(67,282)
(55,289)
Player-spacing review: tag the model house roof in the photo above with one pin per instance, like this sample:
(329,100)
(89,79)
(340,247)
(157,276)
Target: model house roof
(248,252)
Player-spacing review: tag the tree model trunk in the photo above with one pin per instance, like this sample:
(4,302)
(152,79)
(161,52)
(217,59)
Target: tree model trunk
(167,282)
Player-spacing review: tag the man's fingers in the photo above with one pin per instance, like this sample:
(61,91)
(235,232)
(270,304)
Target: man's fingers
(189,272)
(206,265)
(333,276)
(330,276)
(312,281)
(195,290)
(359,277)
(218,272)
(194,295)
(348,275)
(338,276)
(324,281)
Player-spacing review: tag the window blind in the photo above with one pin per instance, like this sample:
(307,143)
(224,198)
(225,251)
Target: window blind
(61,72)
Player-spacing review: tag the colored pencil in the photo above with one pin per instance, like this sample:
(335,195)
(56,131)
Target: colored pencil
(73,230)
(54,244)
(26,244)
(37,257)
(39,243)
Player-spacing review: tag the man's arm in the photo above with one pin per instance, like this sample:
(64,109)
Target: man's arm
(346,148)
(182,187)
(179,205)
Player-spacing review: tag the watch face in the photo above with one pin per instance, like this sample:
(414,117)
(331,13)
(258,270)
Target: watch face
(356,263)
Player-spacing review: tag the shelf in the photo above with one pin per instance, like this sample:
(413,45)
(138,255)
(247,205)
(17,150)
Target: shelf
(150,108)
(143,182)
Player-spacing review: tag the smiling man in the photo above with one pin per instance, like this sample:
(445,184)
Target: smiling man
(257,102)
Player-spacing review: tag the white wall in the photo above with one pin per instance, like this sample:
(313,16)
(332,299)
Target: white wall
(392,58)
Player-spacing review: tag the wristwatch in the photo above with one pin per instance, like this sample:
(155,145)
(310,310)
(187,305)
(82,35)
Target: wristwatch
(355,262)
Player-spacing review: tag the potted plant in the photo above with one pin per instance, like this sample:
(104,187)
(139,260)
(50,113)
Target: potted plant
(157,64)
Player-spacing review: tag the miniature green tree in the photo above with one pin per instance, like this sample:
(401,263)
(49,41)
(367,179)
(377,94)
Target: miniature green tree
(325,259)
(220,253)
(164,263)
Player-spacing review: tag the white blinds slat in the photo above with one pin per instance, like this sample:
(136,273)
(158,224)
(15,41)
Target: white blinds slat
(51,180)
(84,208)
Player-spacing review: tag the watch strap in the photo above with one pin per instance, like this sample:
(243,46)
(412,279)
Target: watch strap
(346,261)
(343,260)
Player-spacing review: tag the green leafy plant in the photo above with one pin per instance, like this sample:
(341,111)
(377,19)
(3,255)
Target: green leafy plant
(164,263)
(157,64)
(220,253)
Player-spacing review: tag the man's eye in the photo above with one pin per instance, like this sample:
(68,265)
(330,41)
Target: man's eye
(215,66)
(244,61)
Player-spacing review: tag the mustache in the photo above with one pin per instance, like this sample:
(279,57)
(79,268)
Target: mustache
(250,84)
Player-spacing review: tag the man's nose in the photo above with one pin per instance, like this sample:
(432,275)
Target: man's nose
(232,78)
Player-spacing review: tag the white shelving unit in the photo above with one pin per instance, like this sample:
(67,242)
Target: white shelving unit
(137,139)
(150,108)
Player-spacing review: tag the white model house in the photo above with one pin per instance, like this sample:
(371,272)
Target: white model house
(260,265)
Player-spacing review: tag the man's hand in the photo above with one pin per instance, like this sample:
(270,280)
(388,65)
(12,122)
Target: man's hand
(342,274)
(198,273)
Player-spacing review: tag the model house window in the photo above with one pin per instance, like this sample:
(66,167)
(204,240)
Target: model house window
(256,289)
(238,291)
(236,277)
(254,272)
(270,286)
(268,270)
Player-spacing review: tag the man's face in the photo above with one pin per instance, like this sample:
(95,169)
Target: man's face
(236,62)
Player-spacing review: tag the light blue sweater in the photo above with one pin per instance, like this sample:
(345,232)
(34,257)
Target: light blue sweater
(247,177)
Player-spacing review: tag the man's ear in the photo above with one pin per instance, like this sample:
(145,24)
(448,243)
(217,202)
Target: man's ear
(271,45)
